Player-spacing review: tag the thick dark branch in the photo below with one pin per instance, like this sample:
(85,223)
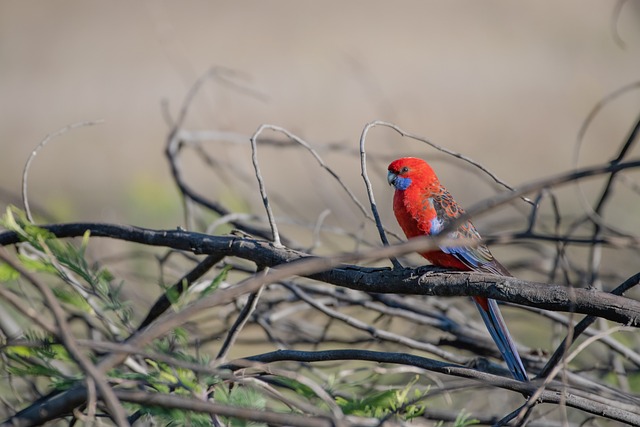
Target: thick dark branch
(378,280)
(533,294)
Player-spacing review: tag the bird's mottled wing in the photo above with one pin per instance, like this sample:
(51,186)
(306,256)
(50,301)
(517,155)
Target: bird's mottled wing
(477,258)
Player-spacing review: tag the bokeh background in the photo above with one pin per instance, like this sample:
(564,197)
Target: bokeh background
(506,83)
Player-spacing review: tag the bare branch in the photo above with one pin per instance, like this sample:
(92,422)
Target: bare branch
(372,200)
(241,320)
(45,141)
(613,23)
(583,325)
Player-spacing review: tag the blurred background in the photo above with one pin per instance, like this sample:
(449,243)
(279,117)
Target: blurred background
(507,84)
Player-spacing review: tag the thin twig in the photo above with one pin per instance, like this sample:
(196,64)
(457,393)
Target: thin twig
(263,190)
(237,326)
(590,212)
(35,316)
(613,23)
(525,412)
(45,141)
(319,391)
(615,345)
(369,187)
(583,325)
(317,229)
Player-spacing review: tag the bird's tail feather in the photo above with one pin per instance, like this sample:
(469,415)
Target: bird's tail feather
(498,329)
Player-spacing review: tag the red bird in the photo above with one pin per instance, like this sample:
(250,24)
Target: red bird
(424,207)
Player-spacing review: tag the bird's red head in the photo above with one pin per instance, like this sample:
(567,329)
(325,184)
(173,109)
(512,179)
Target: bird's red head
(407,170)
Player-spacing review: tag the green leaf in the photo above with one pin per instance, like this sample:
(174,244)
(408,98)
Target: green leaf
(33,370)
(37,264)
(245,397)
(62,383)
(7,273)
(298,387)
(464,419)
(382,403)
(175,417)
(19,350)
(85,243)
(173,294)
(376,404)
(16,221)
(73,298)
(215,283)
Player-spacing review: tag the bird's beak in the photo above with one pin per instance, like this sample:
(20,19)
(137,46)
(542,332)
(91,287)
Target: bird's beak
(391,178)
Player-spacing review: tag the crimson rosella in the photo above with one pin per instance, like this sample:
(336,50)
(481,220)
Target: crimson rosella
(424,207)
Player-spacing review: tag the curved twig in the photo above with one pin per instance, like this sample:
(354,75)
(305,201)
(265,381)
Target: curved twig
(369,187)
(34,153)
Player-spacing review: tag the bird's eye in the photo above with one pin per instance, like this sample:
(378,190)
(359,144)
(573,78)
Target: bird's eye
(404,170)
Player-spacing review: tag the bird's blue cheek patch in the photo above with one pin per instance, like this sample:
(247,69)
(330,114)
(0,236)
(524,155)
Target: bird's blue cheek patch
(402,183)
